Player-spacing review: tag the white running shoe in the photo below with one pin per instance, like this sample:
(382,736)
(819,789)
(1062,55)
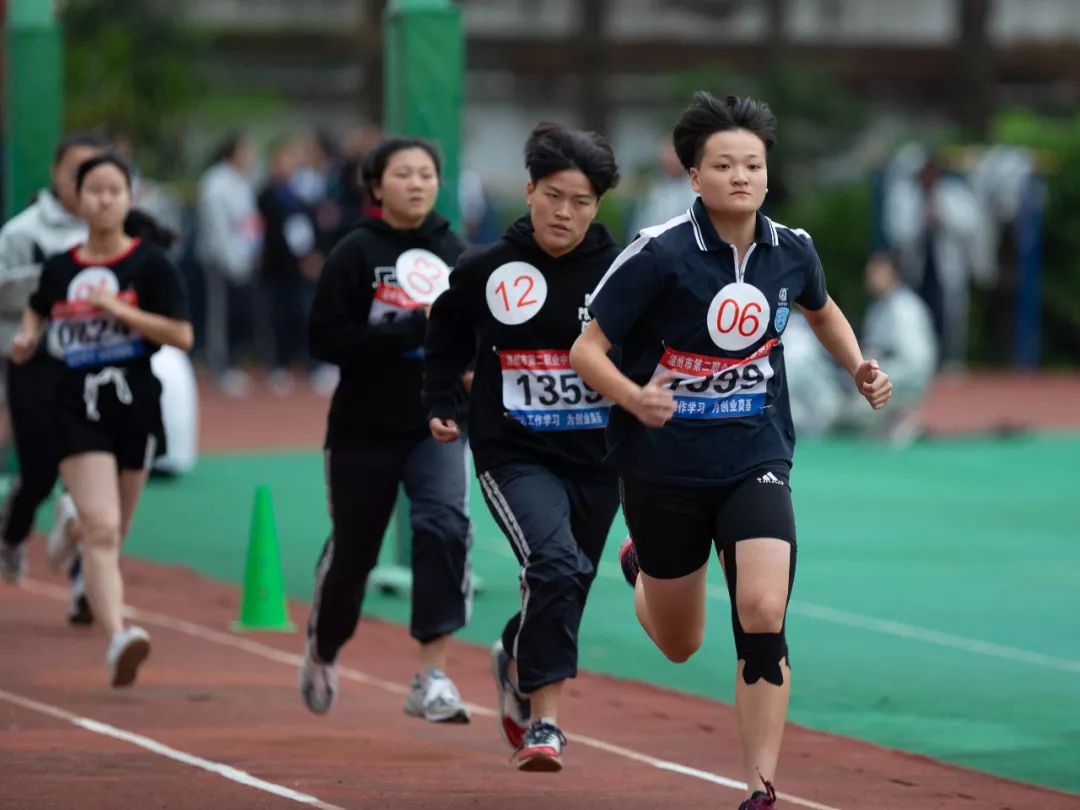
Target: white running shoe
(12,563)
(59,549)
(318,682)
(435,698)
(129,648)
(514,710)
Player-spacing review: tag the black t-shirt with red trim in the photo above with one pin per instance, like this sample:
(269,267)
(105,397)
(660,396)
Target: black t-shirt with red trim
(680,303)
(86,338)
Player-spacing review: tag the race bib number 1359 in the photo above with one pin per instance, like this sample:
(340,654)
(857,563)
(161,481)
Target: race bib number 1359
(542,392)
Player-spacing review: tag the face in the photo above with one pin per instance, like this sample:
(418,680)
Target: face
(408,187)
(243,157)
(880,276)
(732,176)
(63,174)
(284,162)
(561,206)
(104,199)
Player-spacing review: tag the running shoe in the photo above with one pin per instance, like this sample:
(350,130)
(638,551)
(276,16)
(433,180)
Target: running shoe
(12,563)
(629,562)
(541,750)
(59,547)
(79,612)
(129,648)
(514,710)
(761,800)
(435,698)
(318,682)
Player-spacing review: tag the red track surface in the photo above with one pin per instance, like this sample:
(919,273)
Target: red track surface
(202,694)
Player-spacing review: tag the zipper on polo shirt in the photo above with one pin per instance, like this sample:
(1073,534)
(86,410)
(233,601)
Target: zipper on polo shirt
(740,269)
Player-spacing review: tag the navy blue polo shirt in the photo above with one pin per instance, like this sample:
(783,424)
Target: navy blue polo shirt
(680,303)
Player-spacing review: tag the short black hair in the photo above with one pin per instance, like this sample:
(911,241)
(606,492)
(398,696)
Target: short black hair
(708,115)
(145,227)
(73,140)
(108,158)
(228,146)
(379,158)
(553,148)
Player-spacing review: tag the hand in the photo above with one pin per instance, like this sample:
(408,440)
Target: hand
(23,347)
(311,266)
(444,430)
(654,405)
(102,297)
(467,380)
(873,383)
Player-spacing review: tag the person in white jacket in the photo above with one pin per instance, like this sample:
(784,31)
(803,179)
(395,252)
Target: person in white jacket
(228,241)
(47,227)
(943,240)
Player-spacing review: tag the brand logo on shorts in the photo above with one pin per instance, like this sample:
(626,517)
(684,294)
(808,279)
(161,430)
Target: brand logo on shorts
(769,478)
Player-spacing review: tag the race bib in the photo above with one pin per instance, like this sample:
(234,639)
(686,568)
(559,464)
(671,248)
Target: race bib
(389,301)
(542,392)
(738,317)
(422,275)
(83,335)
(516,291)
(718,387)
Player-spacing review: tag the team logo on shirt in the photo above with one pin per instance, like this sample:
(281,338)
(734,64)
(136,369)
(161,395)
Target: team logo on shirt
(782,311)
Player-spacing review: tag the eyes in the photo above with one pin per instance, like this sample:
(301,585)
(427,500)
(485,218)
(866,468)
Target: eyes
(424,176)
(724,166)
(581,202)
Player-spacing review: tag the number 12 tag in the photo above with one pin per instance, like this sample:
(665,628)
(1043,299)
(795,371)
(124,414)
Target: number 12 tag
(422,275)
(516,291)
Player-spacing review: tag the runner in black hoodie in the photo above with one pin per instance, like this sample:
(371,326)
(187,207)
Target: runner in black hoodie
(369,317)
(535,428)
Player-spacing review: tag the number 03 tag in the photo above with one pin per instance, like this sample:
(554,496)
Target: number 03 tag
(516,291)
(422,275)
(738,316)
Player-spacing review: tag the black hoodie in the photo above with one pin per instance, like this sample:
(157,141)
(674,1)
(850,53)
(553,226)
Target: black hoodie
(518,310)
(365,323)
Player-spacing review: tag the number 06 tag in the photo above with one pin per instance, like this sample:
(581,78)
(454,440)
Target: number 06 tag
(422,275)
(738,316)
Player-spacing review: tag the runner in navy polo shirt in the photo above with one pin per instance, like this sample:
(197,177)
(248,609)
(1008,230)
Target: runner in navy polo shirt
(702,434)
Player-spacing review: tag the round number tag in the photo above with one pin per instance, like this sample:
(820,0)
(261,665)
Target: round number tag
(738,316)
(422,275)
(86,280)
(516,291)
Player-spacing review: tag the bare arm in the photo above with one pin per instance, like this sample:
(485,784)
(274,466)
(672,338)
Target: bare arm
(153,327)
(651,404)
(25,343)
(834,332)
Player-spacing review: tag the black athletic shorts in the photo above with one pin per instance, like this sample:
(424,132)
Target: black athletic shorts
(674,527)
(117,413)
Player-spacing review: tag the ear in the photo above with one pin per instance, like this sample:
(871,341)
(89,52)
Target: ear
(375,190)
(695,179)
(530,187)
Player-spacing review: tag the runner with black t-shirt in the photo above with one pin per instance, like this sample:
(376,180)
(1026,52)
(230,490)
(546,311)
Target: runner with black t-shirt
(109,305)
(702,434)
(369,318)
(516,307)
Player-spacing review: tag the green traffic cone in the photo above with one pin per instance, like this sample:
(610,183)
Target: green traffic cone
(264,606)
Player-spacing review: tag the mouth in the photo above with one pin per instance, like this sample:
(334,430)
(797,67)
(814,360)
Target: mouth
(740,194)
(560,229)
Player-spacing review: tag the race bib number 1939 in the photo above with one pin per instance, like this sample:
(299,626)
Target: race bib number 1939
(542,392)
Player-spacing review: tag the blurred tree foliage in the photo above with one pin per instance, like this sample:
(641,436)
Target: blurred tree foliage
(132,69)
(1057,141)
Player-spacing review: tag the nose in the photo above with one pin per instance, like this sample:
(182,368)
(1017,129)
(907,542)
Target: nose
(562,210)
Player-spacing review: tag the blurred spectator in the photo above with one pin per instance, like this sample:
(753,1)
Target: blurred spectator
(290,262)
(944,241)
(897,331)
(228,237)
(668,195)
(479,219)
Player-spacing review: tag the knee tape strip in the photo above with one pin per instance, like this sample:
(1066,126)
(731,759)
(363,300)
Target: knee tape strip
(761,654)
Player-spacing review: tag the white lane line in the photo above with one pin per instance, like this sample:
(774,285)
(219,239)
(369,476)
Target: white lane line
(154,747)
(883,626)
(294,660)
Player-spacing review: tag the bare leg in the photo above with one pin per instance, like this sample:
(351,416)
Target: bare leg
(672,612)
(433,654)
(91,478)
(545,701)
(761,599)
(131,487)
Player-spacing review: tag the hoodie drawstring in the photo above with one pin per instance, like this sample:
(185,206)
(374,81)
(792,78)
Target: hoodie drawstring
(109,374)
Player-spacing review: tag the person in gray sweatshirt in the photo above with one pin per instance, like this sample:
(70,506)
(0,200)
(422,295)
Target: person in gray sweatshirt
(228,240)
(47,227)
